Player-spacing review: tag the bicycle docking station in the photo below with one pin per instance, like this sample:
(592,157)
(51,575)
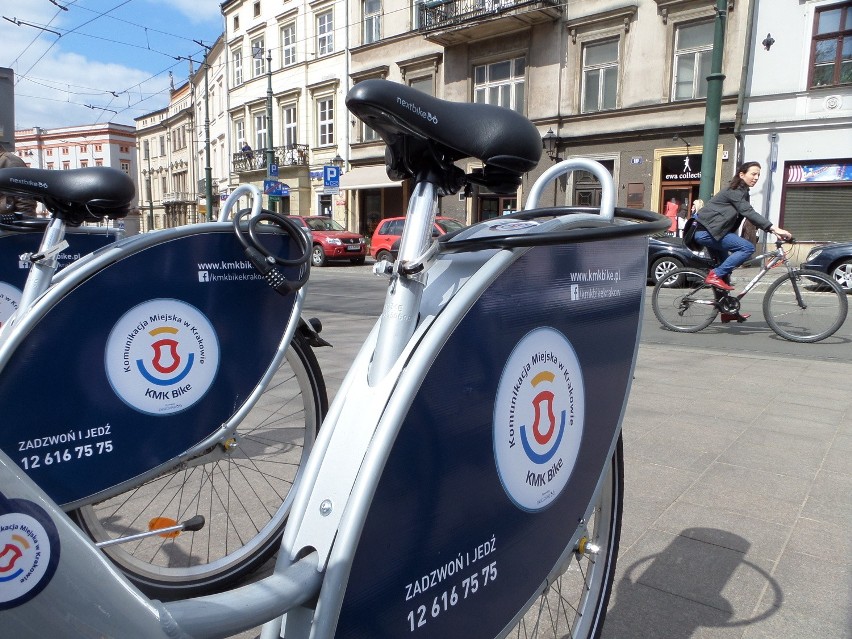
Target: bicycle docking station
(471,456)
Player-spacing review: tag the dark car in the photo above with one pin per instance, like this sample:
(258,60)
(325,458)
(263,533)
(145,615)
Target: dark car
(666,253)
(835,260)
(331,241)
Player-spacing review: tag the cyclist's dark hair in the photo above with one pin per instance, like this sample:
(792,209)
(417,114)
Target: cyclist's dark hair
(737,181)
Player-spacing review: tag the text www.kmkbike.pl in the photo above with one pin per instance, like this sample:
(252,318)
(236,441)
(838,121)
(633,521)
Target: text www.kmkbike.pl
(594,276)
(227,271)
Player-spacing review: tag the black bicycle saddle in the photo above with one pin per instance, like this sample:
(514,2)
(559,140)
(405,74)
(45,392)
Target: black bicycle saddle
(75,195)
(505,141)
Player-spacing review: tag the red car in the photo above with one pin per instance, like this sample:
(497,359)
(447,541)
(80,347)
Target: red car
(331,241)
(390,229)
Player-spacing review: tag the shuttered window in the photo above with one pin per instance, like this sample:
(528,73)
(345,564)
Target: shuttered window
(818,212)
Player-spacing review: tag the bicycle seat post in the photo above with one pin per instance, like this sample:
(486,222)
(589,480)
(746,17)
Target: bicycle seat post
(399,316)
(43,269)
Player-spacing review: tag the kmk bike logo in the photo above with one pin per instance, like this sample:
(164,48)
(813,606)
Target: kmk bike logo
(538,418)
(29,551)
(162,356)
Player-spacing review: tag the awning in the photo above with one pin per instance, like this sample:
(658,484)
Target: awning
(367,177)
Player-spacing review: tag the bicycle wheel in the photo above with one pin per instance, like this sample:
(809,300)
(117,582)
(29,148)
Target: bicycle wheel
(574,603)
(805,306)
(688,308)
(244,494)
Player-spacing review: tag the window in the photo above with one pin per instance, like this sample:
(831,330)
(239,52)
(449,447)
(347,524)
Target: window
(256,8)
(236,23)
(260,139)
(372,21)
(693,51)
(99,162)
(500,83)
(162,145)
(237,58)
(257,49)
(426,85)
(325,121)
(99,147)
(64,150)
(124,149)
(240,131)
(66,166)
(325,33)
(125,166)
(83,148)
(288,44)
(84,164)
(50,166)
(50,151)
(600,76)
(288,122)
(164,185)
(831,50)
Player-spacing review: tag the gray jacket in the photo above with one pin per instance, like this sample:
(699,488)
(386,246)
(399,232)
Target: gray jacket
(725,211)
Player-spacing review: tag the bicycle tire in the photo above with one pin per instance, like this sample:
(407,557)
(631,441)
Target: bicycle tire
(244,496)
(686,309)
(574,603)
(825,306)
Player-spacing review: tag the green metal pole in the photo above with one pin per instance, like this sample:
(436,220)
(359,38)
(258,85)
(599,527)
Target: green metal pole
(270,153)
(208,172)
(714,105)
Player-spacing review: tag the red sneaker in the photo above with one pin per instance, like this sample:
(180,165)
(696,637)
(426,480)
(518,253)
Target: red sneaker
(717,282)
(734,317)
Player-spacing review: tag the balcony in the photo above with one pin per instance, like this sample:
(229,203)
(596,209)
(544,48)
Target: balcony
(450,22)
(178,197)
(255,160)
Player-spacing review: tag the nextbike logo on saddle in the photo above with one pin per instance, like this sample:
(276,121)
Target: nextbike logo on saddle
(10,298)
(23,182)
(29,551)
(417,110)
(539,413)
(162,356)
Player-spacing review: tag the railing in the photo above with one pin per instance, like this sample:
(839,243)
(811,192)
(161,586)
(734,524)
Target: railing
(440,14)
(255,160)
(179,196)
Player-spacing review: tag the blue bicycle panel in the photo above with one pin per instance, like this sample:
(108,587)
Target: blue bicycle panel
(499,455)
(139,362)
(13,272)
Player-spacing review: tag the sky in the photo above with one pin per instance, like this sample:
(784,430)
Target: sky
(82,62)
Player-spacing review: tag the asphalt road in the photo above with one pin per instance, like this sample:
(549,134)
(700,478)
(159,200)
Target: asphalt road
(356,290)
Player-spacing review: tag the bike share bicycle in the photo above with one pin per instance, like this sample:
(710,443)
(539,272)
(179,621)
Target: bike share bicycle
(133,383)
(802,305)
(468,479)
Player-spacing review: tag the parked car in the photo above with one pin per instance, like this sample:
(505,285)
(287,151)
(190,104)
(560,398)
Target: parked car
(390,229)
(666,253)
(835,260)
(331,241)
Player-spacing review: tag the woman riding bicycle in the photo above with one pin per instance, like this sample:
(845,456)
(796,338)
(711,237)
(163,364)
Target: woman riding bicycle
(719,220)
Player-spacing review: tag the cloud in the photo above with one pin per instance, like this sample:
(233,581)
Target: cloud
(57,76)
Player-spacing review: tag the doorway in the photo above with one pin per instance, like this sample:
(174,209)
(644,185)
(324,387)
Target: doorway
(676,203)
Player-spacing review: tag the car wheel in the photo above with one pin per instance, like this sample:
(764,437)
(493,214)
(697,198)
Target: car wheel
(842,274)
(318,256)
(662,266)
(384,255)
(357,260)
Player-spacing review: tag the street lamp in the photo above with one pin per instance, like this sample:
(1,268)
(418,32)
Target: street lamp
(338,161)
(550,144)
(677,137)
(150,193)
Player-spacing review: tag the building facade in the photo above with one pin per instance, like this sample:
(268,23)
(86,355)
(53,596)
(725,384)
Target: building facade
(797,115)
(168,166)
(288,69)
(75,147)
